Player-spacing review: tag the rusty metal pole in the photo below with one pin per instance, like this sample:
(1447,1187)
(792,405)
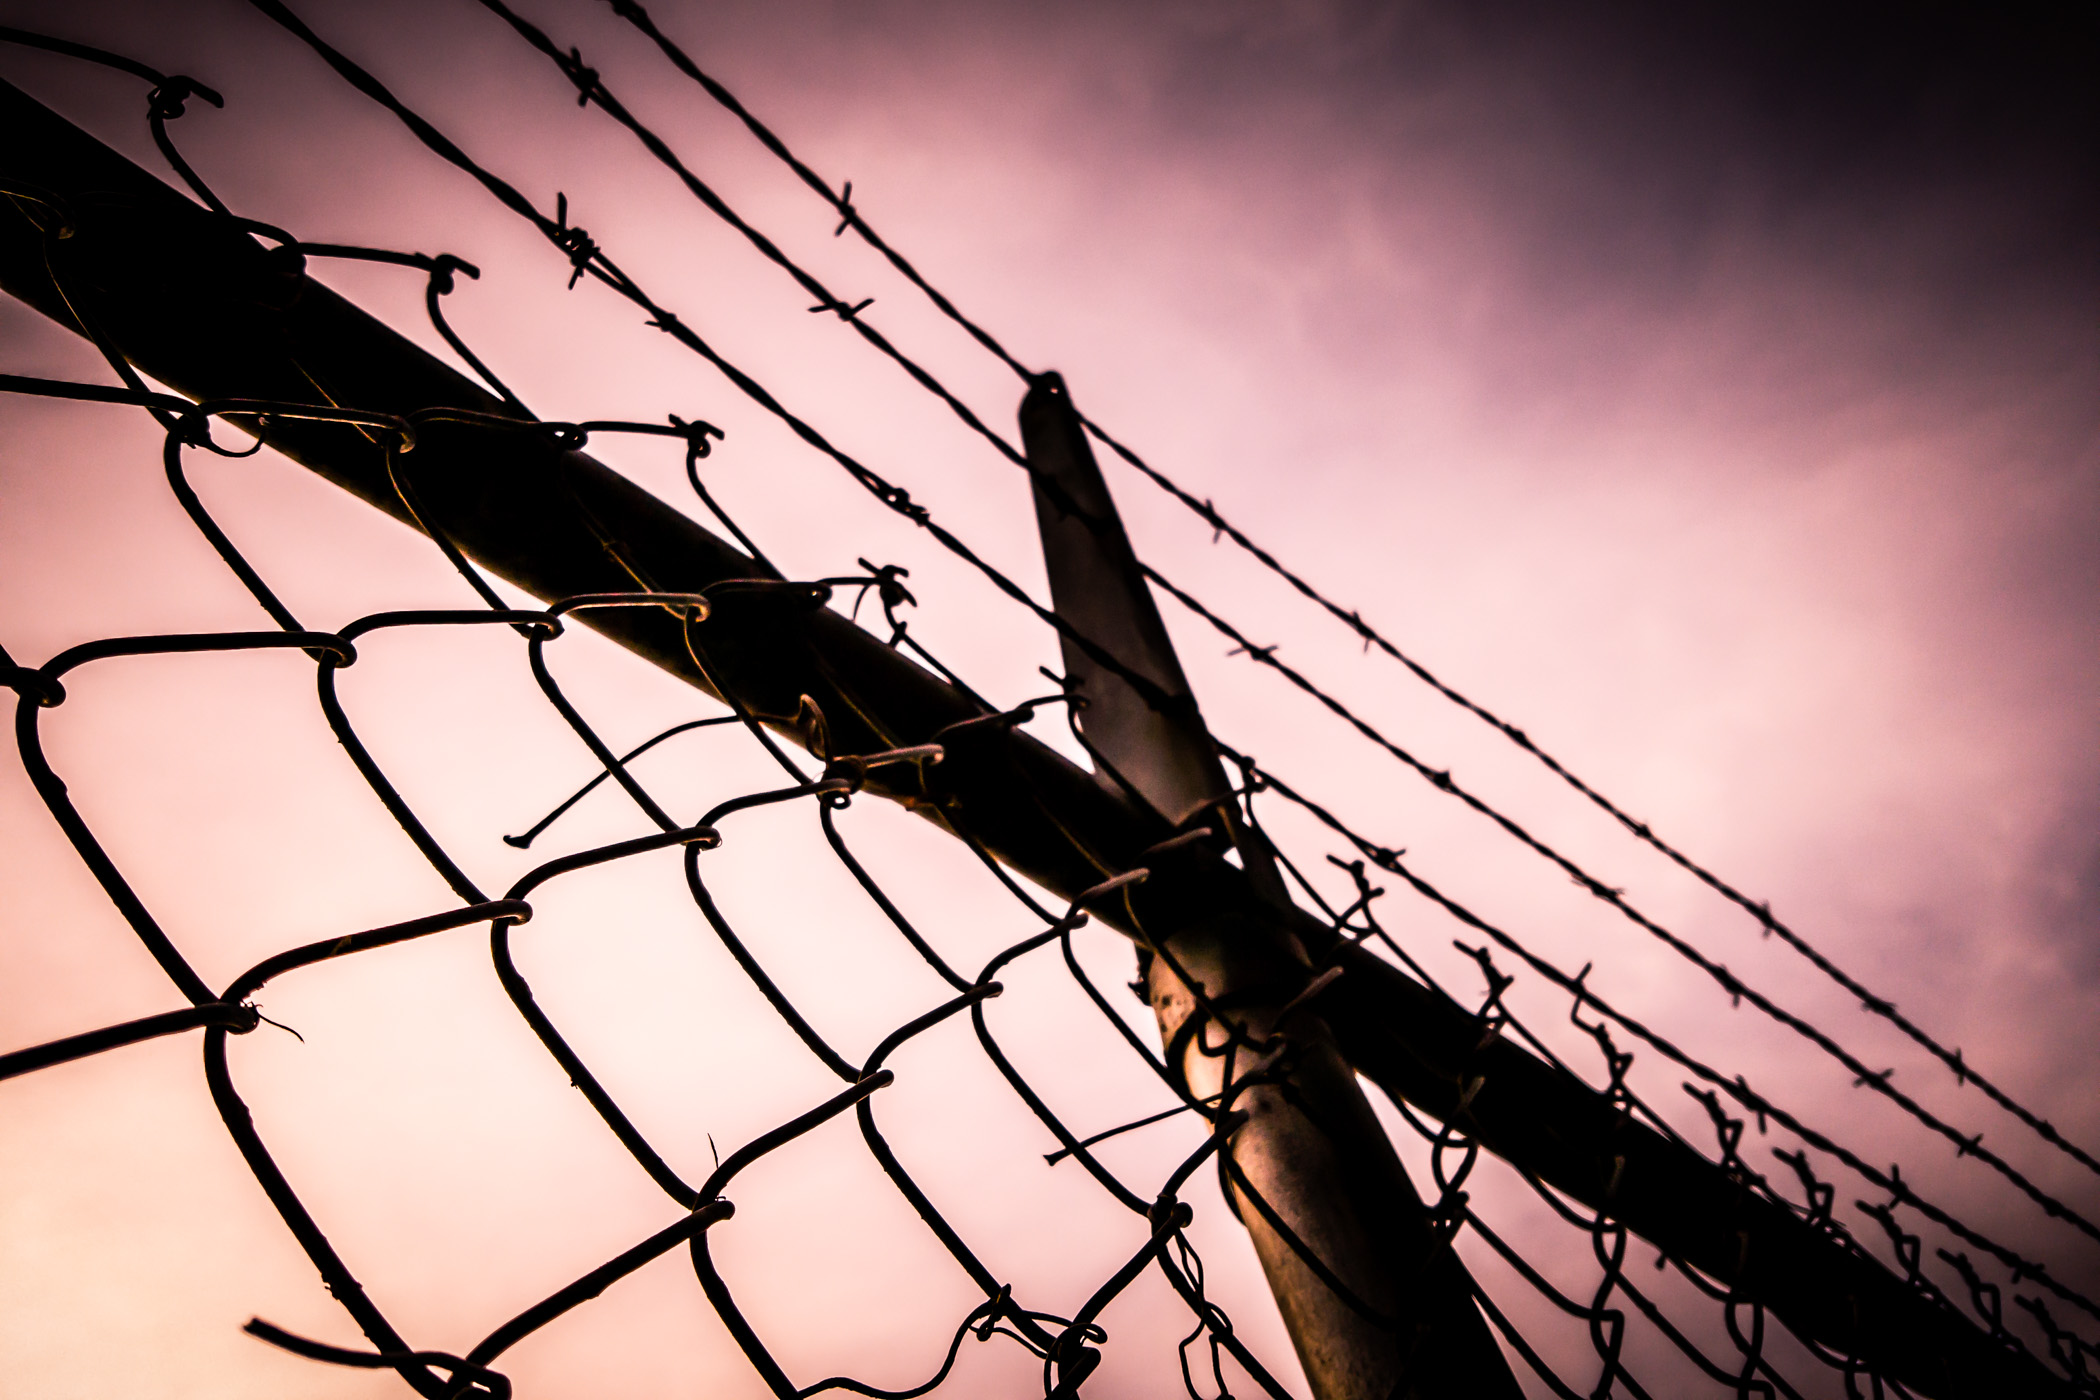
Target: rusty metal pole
(1376,1303)
(190,299)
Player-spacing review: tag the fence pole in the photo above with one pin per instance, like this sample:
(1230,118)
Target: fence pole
(1376,1303)
(193,301)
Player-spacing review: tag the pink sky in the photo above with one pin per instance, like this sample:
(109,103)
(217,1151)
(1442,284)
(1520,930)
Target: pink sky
(1738,446)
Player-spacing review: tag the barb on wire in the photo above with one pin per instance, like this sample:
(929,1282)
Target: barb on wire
(1069,1348)
(851,217)
(1965,1145)
(595,90)
(1067,1357)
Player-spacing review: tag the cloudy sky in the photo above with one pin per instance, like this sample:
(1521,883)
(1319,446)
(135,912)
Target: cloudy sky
(1712,397)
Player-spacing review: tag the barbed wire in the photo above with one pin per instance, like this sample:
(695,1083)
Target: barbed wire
(1496,1019)
(591,87)
(437,1372)
(1736,1086)
(43,688)
(2065,1349)
(233,1010)
(1067,1347)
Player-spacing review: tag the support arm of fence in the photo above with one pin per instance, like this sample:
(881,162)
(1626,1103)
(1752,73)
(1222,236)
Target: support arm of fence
(1309,1170)
(195,302)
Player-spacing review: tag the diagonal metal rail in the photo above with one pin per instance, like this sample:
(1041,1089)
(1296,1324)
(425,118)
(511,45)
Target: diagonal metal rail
(189,298)
(1375,1300)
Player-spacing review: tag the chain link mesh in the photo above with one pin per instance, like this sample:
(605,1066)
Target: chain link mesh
(1689,1329)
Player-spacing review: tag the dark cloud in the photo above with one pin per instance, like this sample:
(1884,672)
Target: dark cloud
(1627,130)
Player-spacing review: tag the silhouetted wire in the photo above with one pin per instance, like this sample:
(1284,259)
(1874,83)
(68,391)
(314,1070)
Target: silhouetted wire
(1068,1354)
(597,264)
(440,282)
(1735,1087)
(531,833)
(1497,1018)
(534,639)
(436,1373)
(538,635)
(851,217)
(417,1365)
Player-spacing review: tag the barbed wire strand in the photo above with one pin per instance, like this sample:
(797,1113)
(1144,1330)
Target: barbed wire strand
(586,82)
(592,88)
(1066,1353)
(437,1373)
(851,217)
(521,888)
(1734,1087)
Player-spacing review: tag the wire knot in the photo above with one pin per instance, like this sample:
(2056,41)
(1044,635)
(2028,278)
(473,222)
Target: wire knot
(994,1308)
(443,266)
(888,591)
(898,499)
(580,73)
(24,680)
(697,436)
(166,101)
(573,241)
(841,309)
(883,578)
(1073,1359)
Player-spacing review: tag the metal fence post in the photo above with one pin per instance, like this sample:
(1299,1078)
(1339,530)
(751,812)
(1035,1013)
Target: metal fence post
(190,299)
(1376,1302)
